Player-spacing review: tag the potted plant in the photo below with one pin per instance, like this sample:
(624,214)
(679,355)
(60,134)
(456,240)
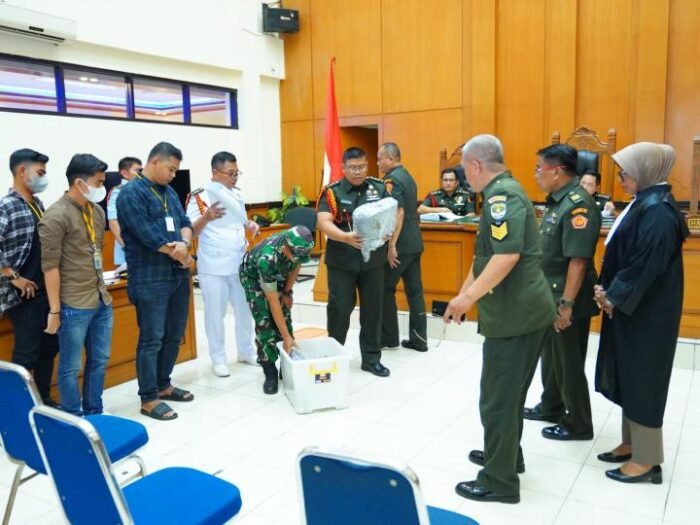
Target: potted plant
(295,199)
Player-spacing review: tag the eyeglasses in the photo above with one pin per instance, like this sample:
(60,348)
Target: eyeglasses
(540,169)
(622,175)
(355,168)
(449,180)
(231,173)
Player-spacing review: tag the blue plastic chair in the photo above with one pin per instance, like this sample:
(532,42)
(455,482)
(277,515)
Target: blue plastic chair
(344,490)
(79,465)
(18,395)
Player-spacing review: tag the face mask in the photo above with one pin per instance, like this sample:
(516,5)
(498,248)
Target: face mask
(37,184)
(95,195)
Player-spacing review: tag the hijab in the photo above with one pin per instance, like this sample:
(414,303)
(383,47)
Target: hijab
(646,162)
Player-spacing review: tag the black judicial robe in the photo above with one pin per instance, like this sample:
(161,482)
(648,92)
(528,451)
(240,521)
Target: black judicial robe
(643,274)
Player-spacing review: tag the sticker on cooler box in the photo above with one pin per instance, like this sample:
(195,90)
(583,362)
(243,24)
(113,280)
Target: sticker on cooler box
(323,376)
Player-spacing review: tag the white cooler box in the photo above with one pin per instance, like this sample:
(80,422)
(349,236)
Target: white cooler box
(320,380)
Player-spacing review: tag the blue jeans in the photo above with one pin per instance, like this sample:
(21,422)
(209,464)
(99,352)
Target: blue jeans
(161,313)
(91,328)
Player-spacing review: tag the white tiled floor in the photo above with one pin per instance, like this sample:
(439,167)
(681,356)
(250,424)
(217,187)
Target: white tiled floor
(426,414)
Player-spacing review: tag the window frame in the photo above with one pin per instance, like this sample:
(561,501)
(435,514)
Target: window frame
(59,67)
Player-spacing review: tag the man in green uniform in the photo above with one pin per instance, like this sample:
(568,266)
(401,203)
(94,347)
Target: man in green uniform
(268,273)
(516,313)
(568,234)
(404,253)
(589,175)
(347,271)
(450,198)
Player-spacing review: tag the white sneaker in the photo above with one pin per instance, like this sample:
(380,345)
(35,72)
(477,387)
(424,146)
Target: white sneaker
(221,370)
(249,359)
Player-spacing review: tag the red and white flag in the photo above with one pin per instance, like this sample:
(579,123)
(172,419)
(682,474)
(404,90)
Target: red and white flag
(333,158)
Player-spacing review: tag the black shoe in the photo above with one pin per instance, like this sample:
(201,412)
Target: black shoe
(561,433)
(609,457)
(271,384)
(414,346)
(477,457)
(535,414)
(472,490)
(653,474)
(377,369)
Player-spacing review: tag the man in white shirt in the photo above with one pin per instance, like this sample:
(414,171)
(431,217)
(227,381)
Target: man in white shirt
(129,168)
(218,217)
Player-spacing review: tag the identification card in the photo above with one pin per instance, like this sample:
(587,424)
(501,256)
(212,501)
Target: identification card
(169,224)
(97,259)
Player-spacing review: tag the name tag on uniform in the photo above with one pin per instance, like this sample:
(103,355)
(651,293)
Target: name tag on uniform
(169,224)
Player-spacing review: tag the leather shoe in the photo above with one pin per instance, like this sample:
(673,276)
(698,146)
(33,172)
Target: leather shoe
(414,346)
(535,414)
(610,457)
(653,474)
(477,457)
(472,490)
(561,433)
(377,369)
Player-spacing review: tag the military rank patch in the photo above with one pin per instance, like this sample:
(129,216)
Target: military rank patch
(498,210)
(499,232)
(389,185)
(579,210)
(575,197)
(579,222)
(497,198)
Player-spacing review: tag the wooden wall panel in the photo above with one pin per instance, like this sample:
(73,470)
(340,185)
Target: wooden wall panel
(296,90)
(420,136)
(683,94)
(420,49)
(479,64)
(520,87)
(298,156)
(351,32)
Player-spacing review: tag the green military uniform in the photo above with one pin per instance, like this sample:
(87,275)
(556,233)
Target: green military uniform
(461,202)
(265,269)
(348,273)
(401,186)
(601,200)
(569,228)
(515,318)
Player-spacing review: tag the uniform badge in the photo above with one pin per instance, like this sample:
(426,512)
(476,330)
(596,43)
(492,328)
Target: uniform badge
(497,198)
(579,210)
(389,185)
(498,210)
(459,201)
(579,222)
(575,197)
(499,232)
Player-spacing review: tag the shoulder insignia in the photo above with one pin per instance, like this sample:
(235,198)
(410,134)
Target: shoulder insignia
(498,210)
(579,210)
(601,196)
(436,192)
(579,222)
(389,184)
(499,232)
(497,198)
(575,197)
(376,179)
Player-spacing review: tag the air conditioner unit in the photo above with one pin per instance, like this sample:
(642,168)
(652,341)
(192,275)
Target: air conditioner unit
(33,24)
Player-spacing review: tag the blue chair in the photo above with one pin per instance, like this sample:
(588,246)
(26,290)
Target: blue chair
(344,490)
(79,465)
(18,395)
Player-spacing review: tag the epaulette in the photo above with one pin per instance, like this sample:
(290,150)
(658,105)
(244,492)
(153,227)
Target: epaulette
(375,179)
(574,197)
(436,192)
(601,196)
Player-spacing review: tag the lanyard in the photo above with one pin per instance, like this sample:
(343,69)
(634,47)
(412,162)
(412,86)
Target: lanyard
(35,209)
(163,200)
(89,219)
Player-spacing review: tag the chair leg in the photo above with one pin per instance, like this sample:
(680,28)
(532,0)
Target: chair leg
(16,482)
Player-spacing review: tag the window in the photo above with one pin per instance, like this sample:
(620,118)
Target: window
(89,93)
(158,100)
(210,106)
(24,85)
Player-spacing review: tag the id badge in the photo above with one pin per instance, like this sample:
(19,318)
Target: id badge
(97,259)
(169,224)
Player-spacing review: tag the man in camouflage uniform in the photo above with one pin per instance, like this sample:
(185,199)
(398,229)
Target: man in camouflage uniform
(450,198)
(268,273)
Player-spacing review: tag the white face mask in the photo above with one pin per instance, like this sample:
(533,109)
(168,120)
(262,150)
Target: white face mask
(36,184)
(95,195)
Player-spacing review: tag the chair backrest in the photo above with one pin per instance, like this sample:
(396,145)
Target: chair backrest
(301,216)
(345,490)
(78,463)
(18,395)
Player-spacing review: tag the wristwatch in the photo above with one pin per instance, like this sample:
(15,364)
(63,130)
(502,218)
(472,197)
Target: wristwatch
(187,243)
(564,303)
(12,275)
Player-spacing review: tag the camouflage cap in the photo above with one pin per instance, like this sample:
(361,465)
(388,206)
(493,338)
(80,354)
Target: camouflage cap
(300,242)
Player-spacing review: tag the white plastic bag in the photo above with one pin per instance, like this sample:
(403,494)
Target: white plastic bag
(374,222)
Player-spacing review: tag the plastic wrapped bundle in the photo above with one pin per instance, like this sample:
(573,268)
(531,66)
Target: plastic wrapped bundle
(374,222)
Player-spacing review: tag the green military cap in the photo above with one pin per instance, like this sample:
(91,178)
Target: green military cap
(300,242)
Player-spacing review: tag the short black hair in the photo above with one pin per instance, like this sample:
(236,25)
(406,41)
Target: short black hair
(561,154)
(353,153)
(449,170)
(596,175)
(221,158)
(127,162)
(26,156)
(392,149)
(83,166)
(165,150)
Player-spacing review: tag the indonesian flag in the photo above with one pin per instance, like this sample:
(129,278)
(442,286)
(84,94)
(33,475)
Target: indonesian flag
(333,158)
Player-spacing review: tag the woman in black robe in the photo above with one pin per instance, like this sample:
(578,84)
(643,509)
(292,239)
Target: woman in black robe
(641,291)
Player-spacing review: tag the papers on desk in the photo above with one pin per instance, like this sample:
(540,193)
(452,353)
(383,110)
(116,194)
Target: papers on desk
(113,276)
(440,217)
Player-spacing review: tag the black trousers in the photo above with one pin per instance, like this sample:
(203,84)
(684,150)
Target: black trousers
(34,349)
(409,271)
(342,288)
